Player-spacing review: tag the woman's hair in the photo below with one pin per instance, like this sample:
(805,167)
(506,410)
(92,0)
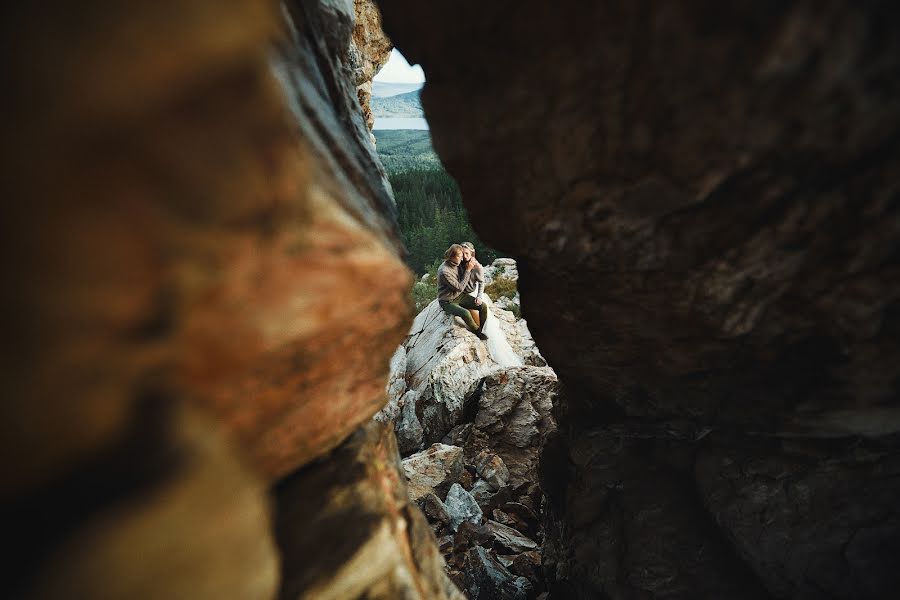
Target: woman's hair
(452,251)
(468,245)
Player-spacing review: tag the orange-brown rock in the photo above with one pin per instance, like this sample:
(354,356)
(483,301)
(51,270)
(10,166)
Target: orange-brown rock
(199,529)
(173,221)
(115,151)
(369,51)
(347,529)
(196,218)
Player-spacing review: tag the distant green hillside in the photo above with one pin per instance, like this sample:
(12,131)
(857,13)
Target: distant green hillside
(401,105)
(430,211)
(404,149)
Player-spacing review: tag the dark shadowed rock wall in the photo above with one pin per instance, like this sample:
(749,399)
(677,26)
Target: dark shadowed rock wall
(703,199)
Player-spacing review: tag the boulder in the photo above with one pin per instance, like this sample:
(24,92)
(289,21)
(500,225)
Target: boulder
(527,565)
(492,469)
(482,491)
(443,365)
(461,506)
(409,429)
(434,509)
(520,510)
(487,579)
(502,517)
(433,470)
(471,534)
(513,419)
(508,539)
(445,544)
(501,267)
(459,435)
(509,304)
(395,389)
(467,479)
(520,517)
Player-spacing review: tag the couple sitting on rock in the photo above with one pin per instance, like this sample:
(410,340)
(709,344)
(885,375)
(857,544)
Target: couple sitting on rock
(458,278)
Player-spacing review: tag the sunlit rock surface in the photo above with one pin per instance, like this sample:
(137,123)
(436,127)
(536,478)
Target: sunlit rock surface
(478,487)
(435,371)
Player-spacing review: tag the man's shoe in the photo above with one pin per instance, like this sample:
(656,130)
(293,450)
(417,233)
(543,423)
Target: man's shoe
(481,335)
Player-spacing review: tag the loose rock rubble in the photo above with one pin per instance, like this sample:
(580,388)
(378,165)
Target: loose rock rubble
(487,523)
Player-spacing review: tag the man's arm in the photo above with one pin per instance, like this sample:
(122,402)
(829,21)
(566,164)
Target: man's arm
(453,280)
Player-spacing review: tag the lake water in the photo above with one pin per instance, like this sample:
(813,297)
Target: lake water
(400,123)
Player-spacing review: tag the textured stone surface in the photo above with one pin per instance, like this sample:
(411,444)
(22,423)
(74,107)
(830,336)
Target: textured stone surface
(167,204)
(505,414)
(514,418)
(89,228)
(492,469)
(433,470)
(409,429)
(831,502)
(194,205)
(703,200)
(487,579)
(336,236)
(482,491)
(508,539)
(623,519)
(346,528)
(396,387)
(501,267)
(461,506)
(369,51)
(434,509)
(443,365)
(201,530)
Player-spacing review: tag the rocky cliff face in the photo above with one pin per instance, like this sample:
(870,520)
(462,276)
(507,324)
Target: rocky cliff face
(369,50)
(703,201)
(435,373)
(208,288)
(479,428)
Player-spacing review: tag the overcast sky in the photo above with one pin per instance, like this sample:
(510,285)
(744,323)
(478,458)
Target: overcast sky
(397,70)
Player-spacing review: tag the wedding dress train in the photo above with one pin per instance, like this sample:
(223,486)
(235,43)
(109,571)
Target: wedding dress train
(499,349)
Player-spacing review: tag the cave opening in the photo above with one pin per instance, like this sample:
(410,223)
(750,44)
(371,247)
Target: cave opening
(461,407)
(216,384)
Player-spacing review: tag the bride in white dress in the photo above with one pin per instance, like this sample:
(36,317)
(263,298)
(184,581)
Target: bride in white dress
(499,349)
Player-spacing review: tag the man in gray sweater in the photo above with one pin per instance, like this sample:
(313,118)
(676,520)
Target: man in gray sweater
(451,288)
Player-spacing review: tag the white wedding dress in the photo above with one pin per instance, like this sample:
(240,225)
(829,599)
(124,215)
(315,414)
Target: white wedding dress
(499,349)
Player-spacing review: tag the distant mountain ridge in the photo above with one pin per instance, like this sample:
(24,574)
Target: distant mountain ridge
(402,105)
(384,89)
